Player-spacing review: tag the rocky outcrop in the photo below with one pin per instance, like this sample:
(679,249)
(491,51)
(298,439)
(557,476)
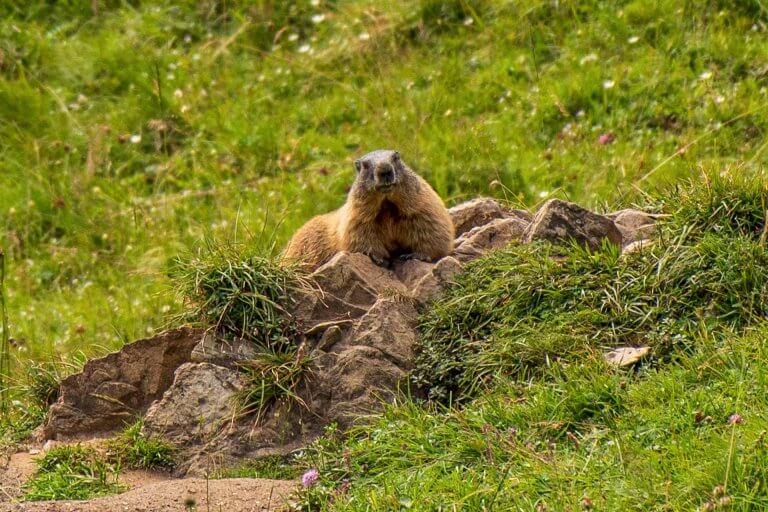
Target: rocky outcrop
(561,221)
(358,324)
(114,390)
(197,406)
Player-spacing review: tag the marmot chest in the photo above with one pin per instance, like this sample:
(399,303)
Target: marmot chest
(393,226)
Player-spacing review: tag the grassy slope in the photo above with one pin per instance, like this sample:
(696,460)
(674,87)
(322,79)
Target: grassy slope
(543,420)
(127,137)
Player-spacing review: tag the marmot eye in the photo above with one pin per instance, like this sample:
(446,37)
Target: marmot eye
(366,165)
(357,165)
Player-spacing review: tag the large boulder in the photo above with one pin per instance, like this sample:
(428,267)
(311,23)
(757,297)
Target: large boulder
(559,221)
(197,406)
(114,390)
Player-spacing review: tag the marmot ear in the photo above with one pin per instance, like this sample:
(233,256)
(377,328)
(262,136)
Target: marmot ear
(396,156)
(358,165)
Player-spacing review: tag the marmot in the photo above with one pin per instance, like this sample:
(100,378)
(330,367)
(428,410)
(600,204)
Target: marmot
(391,212)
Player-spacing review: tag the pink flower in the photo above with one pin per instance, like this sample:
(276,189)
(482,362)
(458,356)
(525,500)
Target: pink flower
(309,478)
(735,419)
(606,138)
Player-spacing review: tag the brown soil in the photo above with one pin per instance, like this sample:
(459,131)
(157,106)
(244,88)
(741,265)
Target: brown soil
(152,491)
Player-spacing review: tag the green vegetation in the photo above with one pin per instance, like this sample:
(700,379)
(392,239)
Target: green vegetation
(133,449)
(239,295)
(277,467)
(515,312)
(130,133)
(74,472)
(272,375)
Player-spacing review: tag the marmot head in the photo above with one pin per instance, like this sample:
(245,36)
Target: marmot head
(380,171)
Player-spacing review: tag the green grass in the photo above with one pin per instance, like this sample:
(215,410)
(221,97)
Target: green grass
(74,472)
(515,312)
(658,439)
(238,294)
(275,467)
(134,450)
(133,132)
(270,376)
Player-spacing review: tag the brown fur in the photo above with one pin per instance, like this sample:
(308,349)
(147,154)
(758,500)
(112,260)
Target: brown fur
(408,219)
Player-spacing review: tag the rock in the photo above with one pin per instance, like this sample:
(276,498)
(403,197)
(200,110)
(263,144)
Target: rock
(479,212)
(436,281)
(559,220)
(348,285)
(497,234)
(633,224)
(363,377)
(626,356)
(215,350)
(410,272)
(197,405)
(389,326)
(114,390)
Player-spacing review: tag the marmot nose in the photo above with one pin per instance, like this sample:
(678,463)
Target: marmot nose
(385,173)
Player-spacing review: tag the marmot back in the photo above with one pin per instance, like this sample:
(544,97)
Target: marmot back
(391,212)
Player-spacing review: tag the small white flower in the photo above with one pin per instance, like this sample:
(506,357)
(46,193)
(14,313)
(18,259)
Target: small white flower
(608,84)
(170,76)
(706,75)
(543,194)
(318,18)
(135,139)
(468,21)
(314,3)
(187,38)
(196,57)
(178,93)
(580,113)
(293,37)
(719,99)
(592,57)
(633,40)
(305,48)
(364,36)
(185,108)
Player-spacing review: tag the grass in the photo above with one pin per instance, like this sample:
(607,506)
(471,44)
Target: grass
(239,295)
(132,133)
(274,467)
(134,450)
(657,439)
(74,472)
(81,472)
(513,313)
(273,375)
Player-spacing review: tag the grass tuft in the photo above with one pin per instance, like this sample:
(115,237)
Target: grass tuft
(133,449)
(75,472)
(273,375)
(239,295)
